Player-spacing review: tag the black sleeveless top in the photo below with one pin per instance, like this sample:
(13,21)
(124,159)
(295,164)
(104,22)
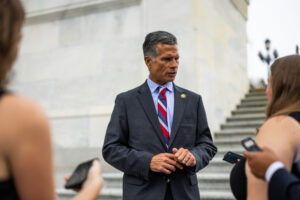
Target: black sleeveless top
(8,190)
(238,179)
(7,187)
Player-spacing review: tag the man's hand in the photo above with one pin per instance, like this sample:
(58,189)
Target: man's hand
(260,161)
(184,156)
(165,163)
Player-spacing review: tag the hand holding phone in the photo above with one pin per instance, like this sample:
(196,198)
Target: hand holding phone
(79,175)
(250,145)
(232,157)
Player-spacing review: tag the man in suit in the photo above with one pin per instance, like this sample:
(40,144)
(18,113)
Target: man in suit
(158,133)
(283,185)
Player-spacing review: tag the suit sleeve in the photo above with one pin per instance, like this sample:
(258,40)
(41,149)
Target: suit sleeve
(116,150)
(284,186)
(204,149)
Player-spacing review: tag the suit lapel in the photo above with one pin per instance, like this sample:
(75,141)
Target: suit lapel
(146,100)
(179,106)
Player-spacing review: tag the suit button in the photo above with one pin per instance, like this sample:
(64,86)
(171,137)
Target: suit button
(167,179)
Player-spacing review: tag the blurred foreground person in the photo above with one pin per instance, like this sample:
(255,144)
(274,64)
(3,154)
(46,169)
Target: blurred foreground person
(281,131)
(282,183)
(26,167)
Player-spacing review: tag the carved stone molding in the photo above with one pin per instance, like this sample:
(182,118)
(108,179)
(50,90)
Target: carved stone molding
(103,111)
(78,9)
(242,7)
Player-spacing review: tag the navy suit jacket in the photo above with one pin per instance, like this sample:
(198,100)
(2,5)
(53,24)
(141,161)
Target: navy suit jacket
(134,136)
(285,185)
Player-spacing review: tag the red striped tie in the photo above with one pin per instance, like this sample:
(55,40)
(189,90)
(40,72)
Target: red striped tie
(162,113)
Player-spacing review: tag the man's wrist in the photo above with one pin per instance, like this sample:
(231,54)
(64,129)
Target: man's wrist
(272,169)
(194,166)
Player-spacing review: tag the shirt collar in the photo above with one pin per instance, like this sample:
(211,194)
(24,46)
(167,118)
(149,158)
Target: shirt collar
(153,86)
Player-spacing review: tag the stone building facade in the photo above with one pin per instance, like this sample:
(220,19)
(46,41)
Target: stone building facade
(77,55)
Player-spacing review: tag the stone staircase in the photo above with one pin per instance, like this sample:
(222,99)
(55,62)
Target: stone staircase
(248,116)
(214,179)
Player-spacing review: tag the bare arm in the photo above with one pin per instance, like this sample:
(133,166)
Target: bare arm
(260,161)
(30,153)
(280,135)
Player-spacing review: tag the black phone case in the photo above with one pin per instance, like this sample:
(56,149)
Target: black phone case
(253,147)
(79,175)
(232,157)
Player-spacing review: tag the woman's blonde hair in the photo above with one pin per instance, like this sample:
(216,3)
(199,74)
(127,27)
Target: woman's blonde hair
(285,82)
(11,20)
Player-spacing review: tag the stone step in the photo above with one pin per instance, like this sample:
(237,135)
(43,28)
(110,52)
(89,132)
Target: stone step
(237,149)
(219,158)
(254,99)
(112,180)
(227,141)
(252,104)
(255,96)
(247,117)
(213,181)
(239,137)
(105,194)
(216,195)
(238,134)
(116,194)
(242,124)
(230,132)
(234,143)
(225,167)
(218,165)
(258,89)
(256,93)
(260,109)
(207,180)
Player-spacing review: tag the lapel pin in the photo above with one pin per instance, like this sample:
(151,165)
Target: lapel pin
(183,96)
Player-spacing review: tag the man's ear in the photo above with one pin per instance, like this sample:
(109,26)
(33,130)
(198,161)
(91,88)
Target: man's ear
(148,61)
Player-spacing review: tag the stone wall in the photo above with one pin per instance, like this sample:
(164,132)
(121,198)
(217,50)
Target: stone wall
(77,55)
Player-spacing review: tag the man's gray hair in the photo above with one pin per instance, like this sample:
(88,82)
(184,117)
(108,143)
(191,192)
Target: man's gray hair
(154,38)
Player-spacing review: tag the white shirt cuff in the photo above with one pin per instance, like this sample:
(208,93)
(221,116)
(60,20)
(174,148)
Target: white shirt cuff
(272,169)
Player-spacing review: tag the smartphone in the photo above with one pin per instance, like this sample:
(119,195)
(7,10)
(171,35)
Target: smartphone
(79,175)
(232,157)
(250,145)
